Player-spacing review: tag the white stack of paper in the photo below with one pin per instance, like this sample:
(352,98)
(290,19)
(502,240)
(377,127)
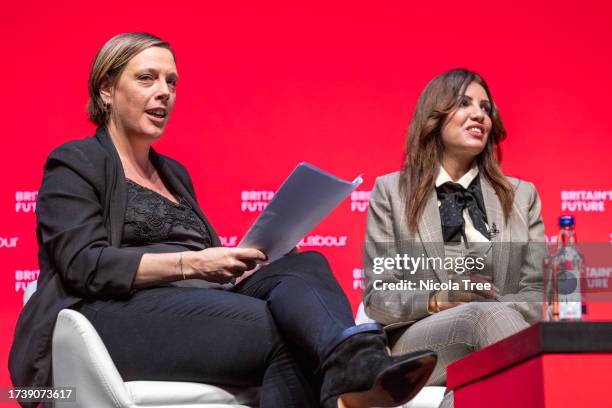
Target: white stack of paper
(307,196)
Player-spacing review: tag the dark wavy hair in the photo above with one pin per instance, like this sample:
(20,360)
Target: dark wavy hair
(424,146)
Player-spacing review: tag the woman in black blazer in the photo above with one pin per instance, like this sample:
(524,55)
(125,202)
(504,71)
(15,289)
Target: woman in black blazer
(123,240)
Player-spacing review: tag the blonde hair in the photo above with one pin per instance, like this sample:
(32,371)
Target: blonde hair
(109,63)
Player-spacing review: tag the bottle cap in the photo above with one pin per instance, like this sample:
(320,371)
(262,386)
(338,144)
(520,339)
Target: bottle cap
(566,221)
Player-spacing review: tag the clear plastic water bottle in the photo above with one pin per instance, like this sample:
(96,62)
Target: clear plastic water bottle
(567,274)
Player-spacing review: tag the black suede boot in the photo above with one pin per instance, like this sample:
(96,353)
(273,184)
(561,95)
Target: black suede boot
(360,370)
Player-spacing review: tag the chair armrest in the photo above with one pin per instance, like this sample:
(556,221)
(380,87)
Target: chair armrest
(29,291)
(81,360)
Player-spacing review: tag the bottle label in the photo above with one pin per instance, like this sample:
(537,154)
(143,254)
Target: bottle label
(570,297)
(570,310)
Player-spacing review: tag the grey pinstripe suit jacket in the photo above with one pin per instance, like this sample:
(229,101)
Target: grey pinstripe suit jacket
(518,251)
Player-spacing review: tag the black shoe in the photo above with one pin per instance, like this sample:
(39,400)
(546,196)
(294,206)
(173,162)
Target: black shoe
(360,371)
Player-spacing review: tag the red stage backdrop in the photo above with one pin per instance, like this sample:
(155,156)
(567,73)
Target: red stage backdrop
(266,86)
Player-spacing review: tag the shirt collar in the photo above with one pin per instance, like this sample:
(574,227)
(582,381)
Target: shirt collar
(464,181)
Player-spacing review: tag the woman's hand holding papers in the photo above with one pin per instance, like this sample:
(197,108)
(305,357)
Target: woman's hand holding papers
(220,264)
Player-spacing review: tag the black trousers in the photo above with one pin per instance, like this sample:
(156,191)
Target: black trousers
(271,330)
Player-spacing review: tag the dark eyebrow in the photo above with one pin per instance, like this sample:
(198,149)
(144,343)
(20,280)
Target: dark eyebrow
(470,98)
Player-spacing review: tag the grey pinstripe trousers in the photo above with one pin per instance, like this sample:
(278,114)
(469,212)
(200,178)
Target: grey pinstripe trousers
(456,332)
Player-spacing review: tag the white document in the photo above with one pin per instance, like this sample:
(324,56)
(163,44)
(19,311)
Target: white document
(307,196)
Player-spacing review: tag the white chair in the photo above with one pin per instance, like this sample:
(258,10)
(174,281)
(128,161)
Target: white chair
(428,397)
(80,360)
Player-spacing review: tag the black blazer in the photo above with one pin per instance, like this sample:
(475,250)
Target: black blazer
(80,213)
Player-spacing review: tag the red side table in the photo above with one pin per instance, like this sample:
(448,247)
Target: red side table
(548,365)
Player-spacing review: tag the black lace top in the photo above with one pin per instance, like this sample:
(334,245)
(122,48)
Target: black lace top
(156,224)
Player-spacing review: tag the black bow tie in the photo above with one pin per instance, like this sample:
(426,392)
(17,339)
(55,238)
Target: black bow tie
(454,198)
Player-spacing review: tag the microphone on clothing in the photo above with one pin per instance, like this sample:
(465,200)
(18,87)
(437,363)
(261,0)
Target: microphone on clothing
(493,231)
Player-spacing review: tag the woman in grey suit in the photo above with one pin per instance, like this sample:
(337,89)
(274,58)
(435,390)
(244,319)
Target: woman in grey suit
(453,246)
